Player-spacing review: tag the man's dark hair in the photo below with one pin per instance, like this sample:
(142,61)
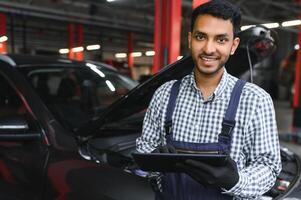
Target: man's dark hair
(220,9)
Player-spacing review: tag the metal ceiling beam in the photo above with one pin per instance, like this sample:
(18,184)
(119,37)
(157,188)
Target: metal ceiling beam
(39,12)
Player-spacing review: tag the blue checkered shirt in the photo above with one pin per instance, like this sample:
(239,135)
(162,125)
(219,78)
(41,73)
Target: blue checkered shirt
(255,145)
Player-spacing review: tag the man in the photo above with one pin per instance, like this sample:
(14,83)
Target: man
(198,118)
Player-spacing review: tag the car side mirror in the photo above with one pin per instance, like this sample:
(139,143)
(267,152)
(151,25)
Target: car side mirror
(16,129)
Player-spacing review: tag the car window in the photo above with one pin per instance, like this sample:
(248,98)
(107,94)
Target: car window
(12,107)
(76,95)
(10,102)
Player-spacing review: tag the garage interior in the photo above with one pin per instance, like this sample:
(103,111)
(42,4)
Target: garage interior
(137,38)
(127,34)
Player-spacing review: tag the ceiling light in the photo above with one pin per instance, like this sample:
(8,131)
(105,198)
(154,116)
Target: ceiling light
(63,51)
(246,27)
(150,53)
(110,0)
(120,55)
(271,25)
(291,23)
(3,38)
(136,54)
(297,46)
(93,47)
(77,49)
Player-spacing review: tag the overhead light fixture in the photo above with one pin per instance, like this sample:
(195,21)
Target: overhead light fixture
(136,54)
(3,38)
(291,23)
(93,47)
(246,27)
(150,53)
(77,49)
(120,55)
(271,25)
(63,51)
(297,47)
(110,0)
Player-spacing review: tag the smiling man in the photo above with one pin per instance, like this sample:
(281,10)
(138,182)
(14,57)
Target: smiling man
(212,111)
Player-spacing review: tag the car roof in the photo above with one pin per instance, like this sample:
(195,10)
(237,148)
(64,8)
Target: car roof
(23,60)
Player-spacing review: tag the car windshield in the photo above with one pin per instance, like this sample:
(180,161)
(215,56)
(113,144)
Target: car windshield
(77,94)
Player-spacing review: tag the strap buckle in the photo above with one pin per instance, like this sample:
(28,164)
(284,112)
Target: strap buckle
(168,125)
(227,127)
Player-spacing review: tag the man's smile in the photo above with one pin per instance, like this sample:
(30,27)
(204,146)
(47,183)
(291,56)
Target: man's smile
(208,58)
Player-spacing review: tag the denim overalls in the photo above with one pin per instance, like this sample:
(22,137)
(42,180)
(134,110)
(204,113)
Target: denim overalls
(179,186)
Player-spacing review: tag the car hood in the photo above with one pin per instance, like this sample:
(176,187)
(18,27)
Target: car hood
(139,98)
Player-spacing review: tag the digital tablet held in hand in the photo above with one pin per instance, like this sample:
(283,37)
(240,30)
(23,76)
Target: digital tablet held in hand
(166,162)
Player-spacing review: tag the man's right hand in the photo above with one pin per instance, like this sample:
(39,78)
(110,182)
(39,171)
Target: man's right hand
(165,149)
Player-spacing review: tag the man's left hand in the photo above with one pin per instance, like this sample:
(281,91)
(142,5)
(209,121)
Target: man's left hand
(208,175)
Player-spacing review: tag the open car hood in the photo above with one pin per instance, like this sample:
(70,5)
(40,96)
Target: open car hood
(259,40)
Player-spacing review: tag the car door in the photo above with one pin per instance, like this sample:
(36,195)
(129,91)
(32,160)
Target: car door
(22,152)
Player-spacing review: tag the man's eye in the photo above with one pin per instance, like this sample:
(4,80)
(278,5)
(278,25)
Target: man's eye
(222,40)
(199,37)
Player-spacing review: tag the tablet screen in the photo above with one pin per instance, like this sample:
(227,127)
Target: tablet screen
(166,162)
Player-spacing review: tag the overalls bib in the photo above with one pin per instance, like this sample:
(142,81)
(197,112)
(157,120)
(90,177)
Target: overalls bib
(180,186)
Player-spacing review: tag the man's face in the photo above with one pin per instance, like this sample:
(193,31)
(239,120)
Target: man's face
(211,43)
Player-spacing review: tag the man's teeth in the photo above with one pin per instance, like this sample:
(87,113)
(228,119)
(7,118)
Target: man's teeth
(208,59)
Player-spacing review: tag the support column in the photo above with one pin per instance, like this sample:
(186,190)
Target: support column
(3,45)
(167,29)
(24,35)
(157,37)
(174,34)
(130,51)
(297,88)
(196,3)
(12,34)
(80,41)
(70,40)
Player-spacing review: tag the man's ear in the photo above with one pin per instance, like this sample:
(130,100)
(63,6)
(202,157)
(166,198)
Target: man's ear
(235,45)
(189,40)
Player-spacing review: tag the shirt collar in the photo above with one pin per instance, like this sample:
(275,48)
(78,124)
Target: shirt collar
(218,90)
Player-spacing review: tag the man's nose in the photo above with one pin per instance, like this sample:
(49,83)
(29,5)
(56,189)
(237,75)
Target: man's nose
(209,47)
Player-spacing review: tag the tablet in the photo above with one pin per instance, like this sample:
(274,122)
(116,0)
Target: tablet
(166,162)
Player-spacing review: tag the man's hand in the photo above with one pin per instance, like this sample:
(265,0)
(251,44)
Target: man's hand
(165,149)
(208,175)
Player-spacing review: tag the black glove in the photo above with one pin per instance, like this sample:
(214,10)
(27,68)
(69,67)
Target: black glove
(208,175)
(165,149)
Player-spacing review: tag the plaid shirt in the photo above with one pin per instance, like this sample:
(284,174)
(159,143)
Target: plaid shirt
(255,144)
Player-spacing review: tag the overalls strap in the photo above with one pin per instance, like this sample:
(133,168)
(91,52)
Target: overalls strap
(229,119)
(171,105)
